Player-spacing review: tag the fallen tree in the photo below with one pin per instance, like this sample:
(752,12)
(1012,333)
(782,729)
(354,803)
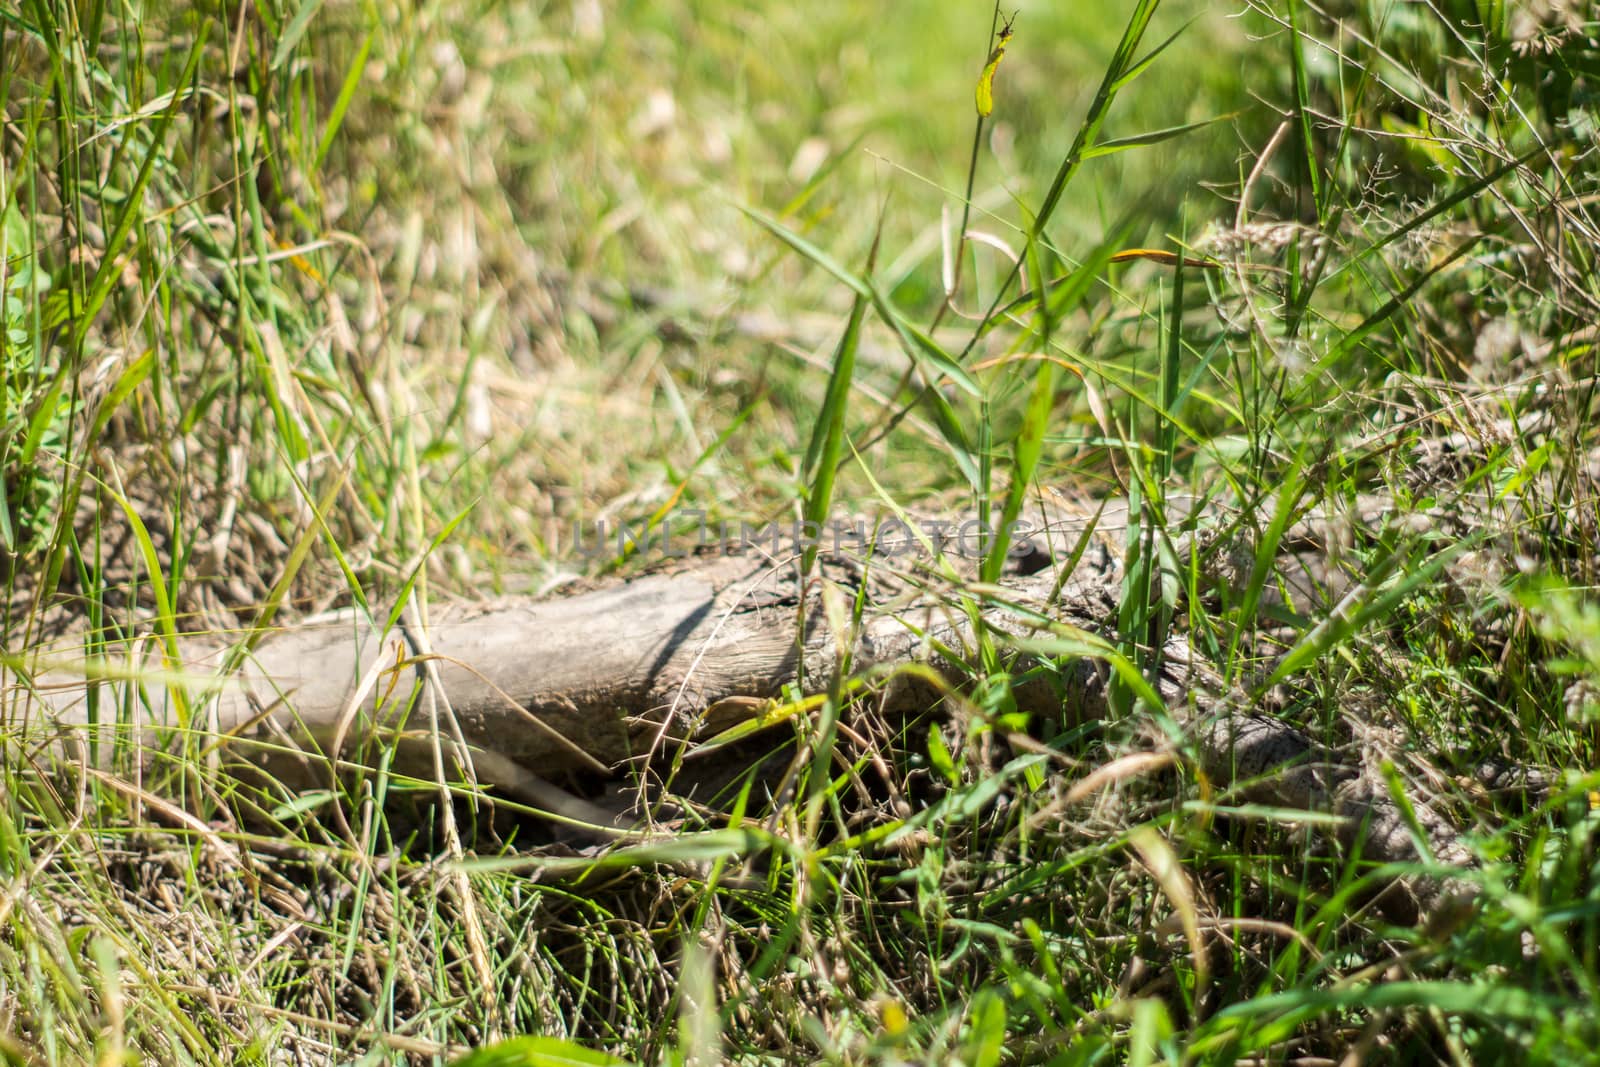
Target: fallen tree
(514,693)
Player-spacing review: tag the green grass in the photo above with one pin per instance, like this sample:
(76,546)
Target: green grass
(317,305)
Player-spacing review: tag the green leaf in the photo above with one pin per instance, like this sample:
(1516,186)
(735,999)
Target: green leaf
(1353,612)
(919,342)
(166,617)
(704,847)
(1122,69)
(294,31)
(1029,447)
(1402,299)
(987,1040)
(1266,557)
(808,250)
(1501,1002)
(536,1050)
(916,342)
(439,538)
(347,92)
(1302,107)
(827,436)
(1073,643)
(109,273)
(132,376)
(8,535)
(1141,140)
(939,757)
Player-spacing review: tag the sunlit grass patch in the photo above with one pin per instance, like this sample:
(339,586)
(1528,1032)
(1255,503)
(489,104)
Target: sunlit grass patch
(311,306)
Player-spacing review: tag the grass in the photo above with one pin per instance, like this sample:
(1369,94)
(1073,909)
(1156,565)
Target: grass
(319,305)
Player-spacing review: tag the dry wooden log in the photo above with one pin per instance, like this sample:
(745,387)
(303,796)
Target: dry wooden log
(517,691)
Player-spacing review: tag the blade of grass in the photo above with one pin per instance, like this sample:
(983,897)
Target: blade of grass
(166,616)
(1303,113)
(826,449)
(916,342)
(109,271)
(1265,559)
(1365,604)
(1153,137)
(1121,70)
(1030,438)
(347,93)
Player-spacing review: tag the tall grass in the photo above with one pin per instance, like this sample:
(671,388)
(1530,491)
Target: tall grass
(363,305)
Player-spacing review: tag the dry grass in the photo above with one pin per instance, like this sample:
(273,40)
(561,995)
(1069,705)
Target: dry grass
(354,292)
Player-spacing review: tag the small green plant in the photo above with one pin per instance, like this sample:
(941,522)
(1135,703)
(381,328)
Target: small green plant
(36,400)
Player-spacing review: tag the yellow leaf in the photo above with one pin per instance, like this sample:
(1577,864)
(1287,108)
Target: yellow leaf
(986,80)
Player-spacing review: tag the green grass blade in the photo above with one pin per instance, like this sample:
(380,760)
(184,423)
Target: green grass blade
(347,93)
(293,32)
(826,449)
(1265,559)
(1144,140)
(1031,436)
(1171,366)
(109,271)
(1400,300)
(166,616)
(918,344)
(538,1051)
(1122,64)
(1354,613)
(1302,110)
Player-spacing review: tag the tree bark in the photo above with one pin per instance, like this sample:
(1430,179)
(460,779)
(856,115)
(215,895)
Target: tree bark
(520,690)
